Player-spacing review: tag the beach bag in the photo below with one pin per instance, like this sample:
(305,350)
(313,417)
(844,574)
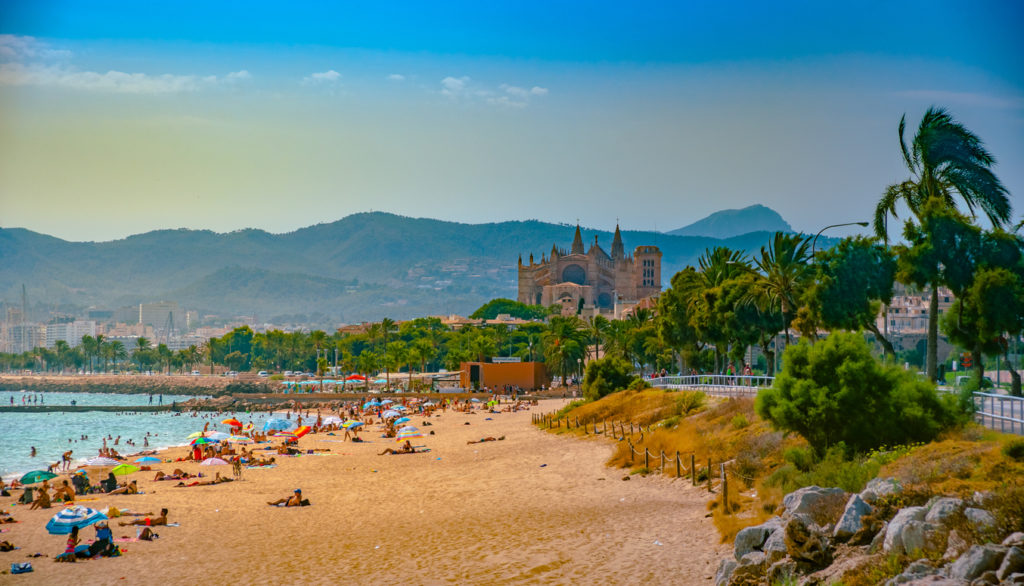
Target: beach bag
(22,568)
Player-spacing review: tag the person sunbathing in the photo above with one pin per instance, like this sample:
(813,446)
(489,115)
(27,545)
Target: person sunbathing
(131,488)
(405,449)
(293,501)
(42,501)
(148,521)
(486,439)
(65,492)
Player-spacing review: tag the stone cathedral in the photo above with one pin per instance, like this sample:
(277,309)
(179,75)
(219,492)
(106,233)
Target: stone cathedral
(606,283)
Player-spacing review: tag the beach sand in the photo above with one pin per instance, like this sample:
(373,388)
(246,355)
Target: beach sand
(534,508)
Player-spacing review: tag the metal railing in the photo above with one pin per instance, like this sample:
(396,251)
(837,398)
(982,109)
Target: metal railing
(716,384)
(1000,412)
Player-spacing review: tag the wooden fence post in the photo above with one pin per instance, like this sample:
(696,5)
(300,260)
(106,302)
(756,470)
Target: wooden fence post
(709,475)
(577,422)
(678,466)
(630,429)
(693,469)
(662,461)
(725,490)
(630,452)
(604,427)
(647,459)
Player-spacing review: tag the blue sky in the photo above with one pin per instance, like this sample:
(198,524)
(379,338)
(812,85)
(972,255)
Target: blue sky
(118,117)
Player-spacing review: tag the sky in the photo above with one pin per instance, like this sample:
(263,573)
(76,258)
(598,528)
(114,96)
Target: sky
(118,118)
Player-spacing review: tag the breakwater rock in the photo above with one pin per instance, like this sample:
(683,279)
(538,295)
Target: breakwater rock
(826,536)
(136,384)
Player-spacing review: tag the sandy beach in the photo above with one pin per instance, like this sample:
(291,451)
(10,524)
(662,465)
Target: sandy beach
(534,508)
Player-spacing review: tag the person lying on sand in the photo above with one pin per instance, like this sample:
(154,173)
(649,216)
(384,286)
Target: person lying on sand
(148,521)
(486,439)
(217,479)
(131,488)
(295,500)
(405,449)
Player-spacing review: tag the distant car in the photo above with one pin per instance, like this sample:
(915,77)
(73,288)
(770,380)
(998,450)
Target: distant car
(232,373)
(263,374)
(289,373)
(195,373)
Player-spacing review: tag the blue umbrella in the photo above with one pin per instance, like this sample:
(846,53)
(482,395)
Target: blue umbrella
(276,423)
(389,413)
(400,407)
(386,402)
(77,516)
(369,404)
(401,420)
(148,460)
(37,476)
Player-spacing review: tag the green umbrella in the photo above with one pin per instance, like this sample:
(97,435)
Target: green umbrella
(124,469)
(37,476)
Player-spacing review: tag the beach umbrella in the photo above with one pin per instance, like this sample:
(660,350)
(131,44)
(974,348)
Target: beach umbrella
(402,420)
(36,476)
(240,439)
(201,441)
(380,381)
(386,402)
(276,423)
(213,462)
(351,423)
(217,436)
(232,422)
(196,434)
(389,414)
(369,404)
(400,408)
(429,404)
(331,420)
(124,469)
(475,400)
(148,460)
(355,377)
(76,516)
(100,461)
(303,431)
(408,433)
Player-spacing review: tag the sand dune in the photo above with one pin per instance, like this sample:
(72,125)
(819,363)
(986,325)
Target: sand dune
(534,508)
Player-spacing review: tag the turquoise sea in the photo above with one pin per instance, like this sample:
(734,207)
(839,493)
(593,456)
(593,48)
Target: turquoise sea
(50,432)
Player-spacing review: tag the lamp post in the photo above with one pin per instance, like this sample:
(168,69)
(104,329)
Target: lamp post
(814,243)
(579,369)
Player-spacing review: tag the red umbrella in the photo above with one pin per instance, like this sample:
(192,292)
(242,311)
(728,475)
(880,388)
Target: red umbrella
(232,422)
(355,377)
(302,431)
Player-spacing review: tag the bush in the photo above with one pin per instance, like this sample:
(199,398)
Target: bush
(836,392)
(605,376)
(740,421)
(1014,450)
(638,384)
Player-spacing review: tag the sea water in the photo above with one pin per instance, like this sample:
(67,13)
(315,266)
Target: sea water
(53,433)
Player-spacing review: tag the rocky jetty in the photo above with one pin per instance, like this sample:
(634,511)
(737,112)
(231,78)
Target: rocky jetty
(825,536)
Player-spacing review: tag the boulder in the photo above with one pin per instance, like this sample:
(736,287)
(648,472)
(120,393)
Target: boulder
(880,487)
(820,504)
(753,538)
(981,519)
(879,539)
(978,560)
(1016,578)
(894,532)
(782,571)
(942,509)
(922,537)
(725,570)
(1014,539)
(986,579)
(915,572)
(871,527)
(750,571)
(806,545)
(955,546)
(1013,563)
(850,521)
(774,547)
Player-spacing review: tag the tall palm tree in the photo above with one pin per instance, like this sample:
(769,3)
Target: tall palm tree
(564,344)
(597,327)
(387,327)
(784,274)
(945,160)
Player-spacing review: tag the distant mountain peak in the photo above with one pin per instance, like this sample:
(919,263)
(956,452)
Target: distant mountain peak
(729,223)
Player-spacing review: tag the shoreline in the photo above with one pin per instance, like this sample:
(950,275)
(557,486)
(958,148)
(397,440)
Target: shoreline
(534,507)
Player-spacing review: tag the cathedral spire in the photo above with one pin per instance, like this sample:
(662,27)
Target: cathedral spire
(618,252)
(577,242)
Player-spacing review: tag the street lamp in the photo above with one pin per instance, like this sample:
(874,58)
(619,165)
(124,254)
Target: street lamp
(815,241)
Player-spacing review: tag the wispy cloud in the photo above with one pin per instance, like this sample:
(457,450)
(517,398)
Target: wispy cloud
(18,48)
(966,98)
(506,95)
(396,77)
(328,77)
(17,74)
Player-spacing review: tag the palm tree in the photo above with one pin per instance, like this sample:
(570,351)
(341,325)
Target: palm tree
(597,327)
(945,160)
(387,326)
(784,274)
(564,344)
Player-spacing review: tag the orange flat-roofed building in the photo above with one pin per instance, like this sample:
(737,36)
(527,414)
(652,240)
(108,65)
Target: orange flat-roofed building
(496,375)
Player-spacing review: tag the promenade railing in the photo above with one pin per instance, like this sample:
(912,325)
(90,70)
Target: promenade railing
(730,385)
(1000,412)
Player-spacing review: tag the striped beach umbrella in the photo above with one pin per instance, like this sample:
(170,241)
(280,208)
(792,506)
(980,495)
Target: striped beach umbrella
(389,414)
(100,461)
(76,516)
(276,423)
(351,423)
(147,460)
(213,462)
(217,436)
(240,439)
(408,432)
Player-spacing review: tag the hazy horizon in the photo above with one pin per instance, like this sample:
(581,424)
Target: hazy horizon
(118,118)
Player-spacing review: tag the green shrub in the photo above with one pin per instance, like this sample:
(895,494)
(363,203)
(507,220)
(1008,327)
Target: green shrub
(802,459)
(1014,450)
(569,407)
(605,376)
(277,377)
(638,384)
(836,392)
(740,421)
(689,401)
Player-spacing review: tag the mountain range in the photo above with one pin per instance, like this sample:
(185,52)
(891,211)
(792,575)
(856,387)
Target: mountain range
(362,267)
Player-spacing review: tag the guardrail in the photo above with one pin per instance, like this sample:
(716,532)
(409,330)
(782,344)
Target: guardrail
(716,384)
(1000,412)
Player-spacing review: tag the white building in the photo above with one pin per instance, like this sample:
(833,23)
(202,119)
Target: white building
(70,332)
